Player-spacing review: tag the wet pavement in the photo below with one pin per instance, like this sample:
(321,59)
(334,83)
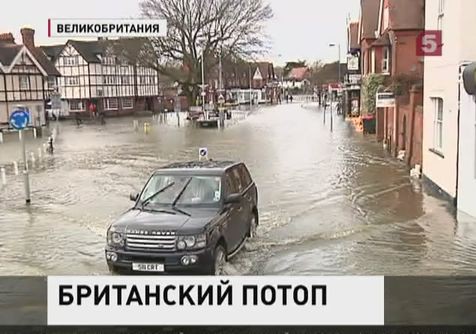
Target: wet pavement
(330,203)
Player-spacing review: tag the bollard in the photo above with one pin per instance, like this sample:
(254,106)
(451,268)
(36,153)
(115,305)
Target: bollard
(39,153)
(15,167)
(135,124)
(146,128)
(35,134)
(4,176)
(20,135)
(1,137)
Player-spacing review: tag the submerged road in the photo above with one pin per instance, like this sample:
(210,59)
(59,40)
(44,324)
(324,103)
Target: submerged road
(330,203)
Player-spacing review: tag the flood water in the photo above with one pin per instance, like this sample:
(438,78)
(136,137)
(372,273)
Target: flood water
(329,203)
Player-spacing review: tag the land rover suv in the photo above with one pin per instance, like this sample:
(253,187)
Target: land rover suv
(189,218)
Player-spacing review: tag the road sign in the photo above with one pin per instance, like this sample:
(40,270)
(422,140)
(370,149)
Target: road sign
(20,118)
(203,153)
(385,100)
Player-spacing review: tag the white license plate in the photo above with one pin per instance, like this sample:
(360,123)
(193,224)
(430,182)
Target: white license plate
(153,267)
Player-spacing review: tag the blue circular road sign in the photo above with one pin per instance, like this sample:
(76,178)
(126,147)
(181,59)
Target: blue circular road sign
(20,118)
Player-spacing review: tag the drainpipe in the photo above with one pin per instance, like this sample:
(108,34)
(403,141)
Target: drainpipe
(413,93)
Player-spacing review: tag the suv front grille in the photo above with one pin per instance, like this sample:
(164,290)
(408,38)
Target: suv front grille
(151,242)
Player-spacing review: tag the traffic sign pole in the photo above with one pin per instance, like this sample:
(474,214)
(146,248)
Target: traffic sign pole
(25,170)
(19,119)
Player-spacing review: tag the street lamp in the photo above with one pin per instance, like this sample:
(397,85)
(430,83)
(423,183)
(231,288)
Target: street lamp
(338,78)
(251,99)
(203,82)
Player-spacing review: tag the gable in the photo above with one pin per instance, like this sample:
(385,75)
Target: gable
(23,58)
(257,75)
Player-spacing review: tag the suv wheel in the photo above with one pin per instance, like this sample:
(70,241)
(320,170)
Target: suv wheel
(253,226)
(220,261)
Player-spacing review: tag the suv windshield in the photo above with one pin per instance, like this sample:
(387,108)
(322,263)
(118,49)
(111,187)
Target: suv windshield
(196,190)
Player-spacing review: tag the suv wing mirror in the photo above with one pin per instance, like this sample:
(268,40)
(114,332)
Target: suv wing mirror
(133,197)
(233,198)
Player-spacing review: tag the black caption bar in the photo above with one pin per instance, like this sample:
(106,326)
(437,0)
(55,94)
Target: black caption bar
(430,301)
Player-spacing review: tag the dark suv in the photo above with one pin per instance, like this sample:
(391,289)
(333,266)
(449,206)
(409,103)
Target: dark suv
(189,218)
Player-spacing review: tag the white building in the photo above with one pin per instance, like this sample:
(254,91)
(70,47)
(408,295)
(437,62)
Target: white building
(26,78)
(449,144)
(105,73)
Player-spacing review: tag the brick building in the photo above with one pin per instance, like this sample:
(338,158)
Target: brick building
(391,53)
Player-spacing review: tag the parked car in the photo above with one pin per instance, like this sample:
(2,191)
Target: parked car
(189,218)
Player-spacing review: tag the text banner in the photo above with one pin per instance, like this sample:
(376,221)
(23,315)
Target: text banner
(92,28)
(215,301)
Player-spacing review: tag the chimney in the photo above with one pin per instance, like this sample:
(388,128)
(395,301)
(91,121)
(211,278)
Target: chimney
(28,36)
(7,37)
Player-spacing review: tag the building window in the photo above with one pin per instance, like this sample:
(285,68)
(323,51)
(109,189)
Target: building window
(386,60)
(110,104)
(108,61)
(127,103)
(76,105)
(441,14)
(125,80)
(24,82)
(70,61)
(71,81)
(373,62)
(438,124)
(109,79)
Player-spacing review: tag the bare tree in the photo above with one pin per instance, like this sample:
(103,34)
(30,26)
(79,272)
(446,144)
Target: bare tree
(233,27)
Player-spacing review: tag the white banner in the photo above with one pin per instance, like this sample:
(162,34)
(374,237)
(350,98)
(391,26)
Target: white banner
(202,300)
(93,28)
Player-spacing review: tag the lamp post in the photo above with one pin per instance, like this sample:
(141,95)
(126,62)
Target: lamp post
(338,77)
(203,83)
(251,99)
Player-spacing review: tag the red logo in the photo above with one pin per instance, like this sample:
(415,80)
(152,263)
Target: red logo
(430,43)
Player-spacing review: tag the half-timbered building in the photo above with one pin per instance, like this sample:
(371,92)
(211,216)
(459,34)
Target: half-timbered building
(26,79)
(105,74)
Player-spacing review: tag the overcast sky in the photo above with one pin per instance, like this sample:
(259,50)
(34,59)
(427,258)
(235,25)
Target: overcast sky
(300,29)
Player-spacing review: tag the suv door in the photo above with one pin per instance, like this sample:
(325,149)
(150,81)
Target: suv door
(245,208)
(233,214)
(249,194)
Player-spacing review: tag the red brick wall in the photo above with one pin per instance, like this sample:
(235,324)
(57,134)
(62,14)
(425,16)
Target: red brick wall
(405,59)
(410,129)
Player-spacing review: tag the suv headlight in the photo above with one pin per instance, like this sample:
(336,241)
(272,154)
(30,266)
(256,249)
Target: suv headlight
(192,241)
(115,238)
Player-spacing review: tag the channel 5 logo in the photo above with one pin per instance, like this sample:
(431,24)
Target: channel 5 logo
(430,43)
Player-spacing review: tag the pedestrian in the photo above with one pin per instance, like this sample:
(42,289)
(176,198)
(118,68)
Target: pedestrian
(102,117)
(92,110)
(77,118)
(291,98)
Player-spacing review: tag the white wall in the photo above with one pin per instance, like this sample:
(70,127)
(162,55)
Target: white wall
(441,81)
(467,153)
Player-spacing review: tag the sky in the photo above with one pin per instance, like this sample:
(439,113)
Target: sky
(300,29)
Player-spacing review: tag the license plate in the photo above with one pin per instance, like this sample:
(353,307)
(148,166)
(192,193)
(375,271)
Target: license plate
(153,267)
